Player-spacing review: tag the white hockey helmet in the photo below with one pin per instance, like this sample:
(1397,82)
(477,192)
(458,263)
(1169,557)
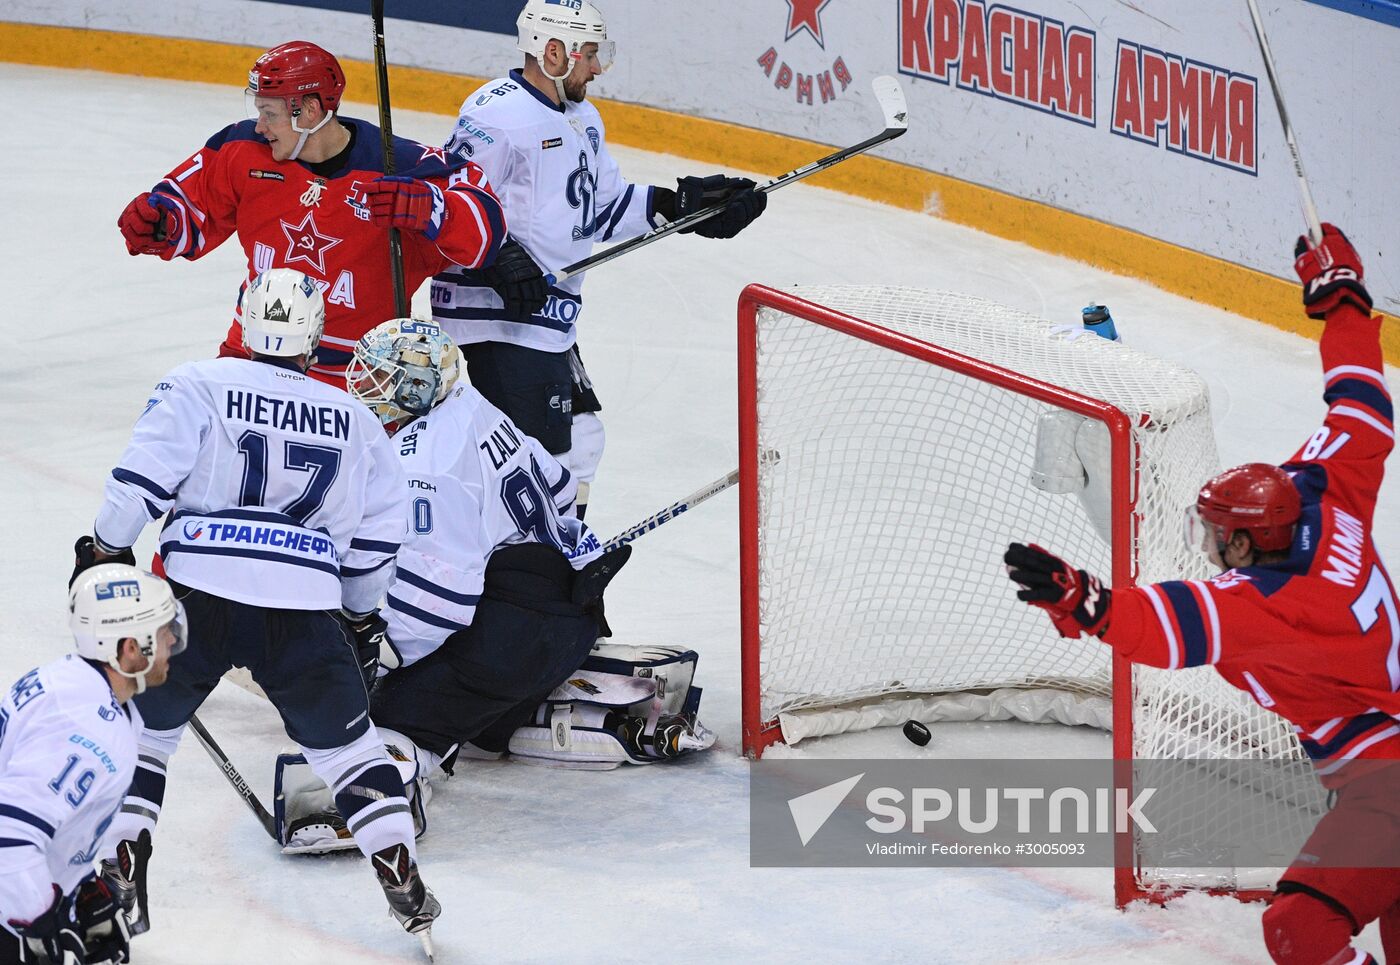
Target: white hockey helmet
(283,314)
(402,368)
(111,602)
(571,22)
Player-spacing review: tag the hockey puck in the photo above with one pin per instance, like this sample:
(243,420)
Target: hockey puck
(917,733)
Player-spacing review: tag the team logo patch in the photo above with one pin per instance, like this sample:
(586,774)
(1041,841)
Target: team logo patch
(265,175)
(355,199)
(193,530)
(306,243)
(593,138)
(434,152)
(119,590)
(551,142)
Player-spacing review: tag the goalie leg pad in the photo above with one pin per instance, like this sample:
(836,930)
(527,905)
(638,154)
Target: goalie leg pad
(589,722)
(367,792)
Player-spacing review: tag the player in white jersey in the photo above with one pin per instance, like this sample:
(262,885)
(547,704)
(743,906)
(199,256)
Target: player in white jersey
(543,147)
(67,754)
(498,591)
(284,519)
(498,596)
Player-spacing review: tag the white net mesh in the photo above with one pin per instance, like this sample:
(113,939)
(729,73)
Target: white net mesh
(897,485)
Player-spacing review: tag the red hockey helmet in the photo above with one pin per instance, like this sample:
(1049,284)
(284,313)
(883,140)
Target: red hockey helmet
(1257,498)
(295,69)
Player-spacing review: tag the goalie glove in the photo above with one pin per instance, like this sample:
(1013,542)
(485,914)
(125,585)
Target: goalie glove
(1077,602)
(1331,273)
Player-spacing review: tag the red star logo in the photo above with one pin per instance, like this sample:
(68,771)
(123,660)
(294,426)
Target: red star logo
(436,152)
(305,243)
(806,15)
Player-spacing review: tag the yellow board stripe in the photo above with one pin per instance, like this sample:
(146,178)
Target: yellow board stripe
(1182,271)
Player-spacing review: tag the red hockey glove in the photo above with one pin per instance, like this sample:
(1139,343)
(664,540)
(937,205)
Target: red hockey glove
(1077,602)
(148,228)
(1331,273)
(405,203)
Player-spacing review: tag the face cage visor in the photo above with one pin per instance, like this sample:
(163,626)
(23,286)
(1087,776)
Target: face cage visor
(264,112)
(1203,537)
(407,386)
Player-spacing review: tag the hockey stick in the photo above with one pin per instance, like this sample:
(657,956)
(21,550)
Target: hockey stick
(890,97)
(680,506)
(671,512)
(234,778)
(1309,208)
(386,134)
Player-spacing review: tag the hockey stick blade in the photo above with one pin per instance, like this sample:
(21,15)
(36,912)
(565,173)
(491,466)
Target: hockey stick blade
(888,94)
(234,778)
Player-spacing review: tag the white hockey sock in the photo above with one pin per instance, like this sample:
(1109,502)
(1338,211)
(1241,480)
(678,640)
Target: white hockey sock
(368,792)
(141,808)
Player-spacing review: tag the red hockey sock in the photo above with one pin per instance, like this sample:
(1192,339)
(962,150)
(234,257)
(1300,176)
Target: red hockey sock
(1300,929)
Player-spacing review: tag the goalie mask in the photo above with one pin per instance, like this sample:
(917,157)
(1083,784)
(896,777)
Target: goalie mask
(113,602)
(402,368)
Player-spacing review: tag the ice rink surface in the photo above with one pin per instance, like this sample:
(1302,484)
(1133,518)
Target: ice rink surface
(642,864)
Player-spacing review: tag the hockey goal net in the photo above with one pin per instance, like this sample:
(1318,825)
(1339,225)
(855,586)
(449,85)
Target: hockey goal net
(892,443)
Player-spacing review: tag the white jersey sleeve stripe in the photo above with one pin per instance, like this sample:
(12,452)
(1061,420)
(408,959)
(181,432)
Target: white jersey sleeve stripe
(1173,647)
(9,811)
(428,586)
(423,616)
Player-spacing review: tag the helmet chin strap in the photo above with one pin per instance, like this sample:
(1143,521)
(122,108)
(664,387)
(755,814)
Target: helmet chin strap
(140,675)
(307,132)
(558,81)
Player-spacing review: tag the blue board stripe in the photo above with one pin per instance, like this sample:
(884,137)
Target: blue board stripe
(496,18)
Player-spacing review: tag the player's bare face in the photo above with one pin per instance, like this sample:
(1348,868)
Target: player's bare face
(586,67)
(275,123)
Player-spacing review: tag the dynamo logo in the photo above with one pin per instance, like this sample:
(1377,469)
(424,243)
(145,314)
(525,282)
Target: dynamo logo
(119,590)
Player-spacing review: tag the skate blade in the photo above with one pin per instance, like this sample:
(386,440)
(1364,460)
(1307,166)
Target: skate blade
(426,937)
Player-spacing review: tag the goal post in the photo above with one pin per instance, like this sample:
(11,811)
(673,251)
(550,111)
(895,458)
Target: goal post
(916,434)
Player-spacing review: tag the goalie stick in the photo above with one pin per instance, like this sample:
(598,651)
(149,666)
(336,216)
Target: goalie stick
(680,506)
(386,133)
(234,778)
(888,94)
(1309,208)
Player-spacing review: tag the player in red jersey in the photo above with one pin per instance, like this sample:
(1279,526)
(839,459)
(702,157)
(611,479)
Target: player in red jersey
(304,188)
(1303,618)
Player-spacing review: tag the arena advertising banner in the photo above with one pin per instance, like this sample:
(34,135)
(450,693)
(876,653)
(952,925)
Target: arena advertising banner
(1155,115)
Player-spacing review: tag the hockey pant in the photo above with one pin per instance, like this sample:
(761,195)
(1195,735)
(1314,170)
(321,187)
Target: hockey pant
(305,662)
(1330,892)
(527,636)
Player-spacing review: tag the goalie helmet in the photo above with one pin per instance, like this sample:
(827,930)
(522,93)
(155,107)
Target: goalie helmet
(402,368)
(283,314)
(571,22)
(113,602)
(1257,498)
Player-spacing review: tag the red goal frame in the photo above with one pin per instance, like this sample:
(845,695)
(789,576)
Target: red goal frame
(759,734)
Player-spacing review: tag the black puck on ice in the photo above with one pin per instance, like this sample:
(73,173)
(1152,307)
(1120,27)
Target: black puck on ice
(917,733)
